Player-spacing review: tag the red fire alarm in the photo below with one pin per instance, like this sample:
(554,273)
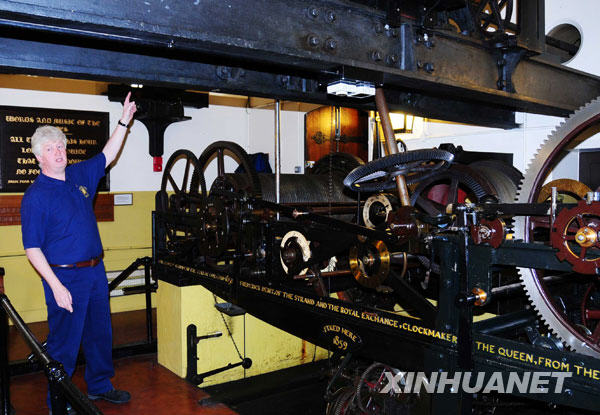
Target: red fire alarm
(157,163)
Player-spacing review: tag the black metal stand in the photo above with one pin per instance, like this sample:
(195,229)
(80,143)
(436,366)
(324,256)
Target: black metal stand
(157,109)
(192,358)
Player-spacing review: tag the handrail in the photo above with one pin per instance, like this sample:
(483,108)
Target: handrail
(127,272)
(61,386)
(148,288)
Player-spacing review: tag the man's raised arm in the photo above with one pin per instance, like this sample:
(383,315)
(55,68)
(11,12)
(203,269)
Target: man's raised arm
(114,143)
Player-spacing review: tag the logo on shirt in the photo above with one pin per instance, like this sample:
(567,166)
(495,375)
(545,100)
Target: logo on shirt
(84,191)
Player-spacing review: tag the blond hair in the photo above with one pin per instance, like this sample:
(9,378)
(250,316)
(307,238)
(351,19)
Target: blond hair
(44,134)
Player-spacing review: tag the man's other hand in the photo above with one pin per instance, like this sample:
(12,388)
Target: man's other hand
(62,296)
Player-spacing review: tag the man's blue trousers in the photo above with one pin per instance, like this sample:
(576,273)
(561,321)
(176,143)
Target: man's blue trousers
(88,326)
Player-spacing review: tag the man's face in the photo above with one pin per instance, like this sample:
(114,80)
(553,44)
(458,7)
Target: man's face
(53,158)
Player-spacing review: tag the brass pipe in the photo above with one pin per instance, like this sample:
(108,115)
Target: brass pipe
(390,142)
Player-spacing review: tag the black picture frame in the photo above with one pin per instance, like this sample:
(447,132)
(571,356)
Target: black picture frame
(86,131)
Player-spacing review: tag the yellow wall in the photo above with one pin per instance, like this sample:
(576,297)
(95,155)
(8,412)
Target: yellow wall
(127,238)
(130,237)
(269,348)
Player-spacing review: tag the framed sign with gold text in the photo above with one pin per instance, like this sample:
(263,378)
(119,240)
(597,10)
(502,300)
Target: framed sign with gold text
(86,131)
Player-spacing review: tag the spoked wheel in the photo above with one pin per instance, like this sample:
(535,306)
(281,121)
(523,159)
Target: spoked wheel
(378,175)
(590,311)
(366,395)
(567,191)
(188,197)
(493,17)
(458,184)
(560,306)
(343,403)
(575,235)
(219,163)
(233,175)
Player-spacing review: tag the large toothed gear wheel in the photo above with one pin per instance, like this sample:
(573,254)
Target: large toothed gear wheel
(579,125)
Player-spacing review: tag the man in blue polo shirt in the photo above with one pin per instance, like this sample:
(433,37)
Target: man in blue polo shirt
(61,240)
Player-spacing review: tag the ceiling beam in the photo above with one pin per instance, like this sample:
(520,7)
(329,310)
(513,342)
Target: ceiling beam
(283,50)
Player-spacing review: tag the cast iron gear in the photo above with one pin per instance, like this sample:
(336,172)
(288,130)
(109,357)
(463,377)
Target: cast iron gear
(547,154)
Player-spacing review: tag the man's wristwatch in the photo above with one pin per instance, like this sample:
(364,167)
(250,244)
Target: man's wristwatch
(122,123)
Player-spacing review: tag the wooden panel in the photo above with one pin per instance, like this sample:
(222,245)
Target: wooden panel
(104,207)
(10,209)
(319,133)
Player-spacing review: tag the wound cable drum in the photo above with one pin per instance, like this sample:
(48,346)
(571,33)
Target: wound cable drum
(313,188)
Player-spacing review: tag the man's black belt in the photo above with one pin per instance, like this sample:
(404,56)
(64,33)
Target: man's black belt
(82,264)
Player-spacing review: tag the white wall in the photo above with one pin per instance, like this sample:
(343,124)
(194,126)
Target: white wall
(582,14)
(253,129)
(262,132)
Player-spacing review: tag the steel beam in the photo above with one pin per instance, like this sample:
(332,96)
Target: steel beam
(243,46)
(32,57)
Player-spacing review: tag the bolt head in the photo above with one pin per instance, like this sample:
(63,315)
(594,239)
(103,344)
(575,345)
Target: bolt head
(376,55)
(392,59)
(285,80)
